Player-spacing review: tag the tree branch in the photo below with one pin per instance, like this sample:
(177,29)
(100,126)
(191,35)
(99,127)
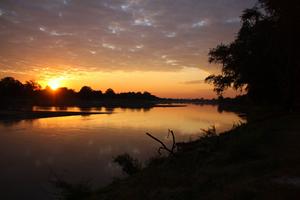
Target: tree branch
(163,146)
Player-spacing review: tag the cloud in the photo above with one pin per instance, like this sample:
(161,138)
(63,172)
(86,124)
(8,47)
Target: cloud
(144,35)
(136,48)
(66,2)
(2,12)
(43,29)
(233,20)
(110,46)
(172,62)
(171,34)
(54,32)
(143,22)
(139,46)
(193,82)
(200,24)
(115,28)
(125,7)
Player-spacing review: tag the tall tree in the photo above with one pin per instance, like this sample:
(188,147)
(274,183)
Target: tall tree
(259,60)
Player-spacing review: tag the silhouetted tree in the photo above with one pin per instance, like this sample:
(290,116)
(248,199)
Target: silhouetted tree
(260,59)
(97,94)
(30,88)
(13,92)
(10,87)
(287,17)
(64,94)
(32,85)
(110,93)
(86,92)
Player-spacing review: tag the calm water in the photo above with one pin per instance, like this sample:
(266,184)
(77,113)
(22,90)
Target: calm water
(82,147)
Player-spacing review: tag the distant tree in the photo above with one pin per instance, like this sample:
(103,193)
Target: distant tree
(13,92)
(31,87)
(48,88)
(148,96)
(10,87)
(110,92)
(86,92)
(97,94)
(64,93)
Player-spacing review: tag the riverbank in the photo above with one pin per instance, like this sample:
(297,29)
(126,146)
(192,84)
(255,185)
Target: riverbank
(258,160)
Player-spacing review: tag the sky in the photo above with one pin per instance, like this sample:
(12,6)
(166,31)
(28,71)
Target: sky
(159,46)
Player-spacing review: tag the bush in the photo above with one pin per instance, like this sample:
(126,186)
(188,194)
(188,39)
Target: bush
(129,165)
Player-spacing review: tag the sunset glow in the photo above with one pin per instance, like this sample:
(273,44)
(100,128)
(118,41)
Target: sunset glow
(157,46)
(153,99)
(54,83)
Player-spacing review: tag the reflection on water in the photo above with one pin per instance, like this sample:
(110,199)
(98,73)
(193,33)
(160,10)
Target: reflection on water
(69,109)
(84,146)
(84,109)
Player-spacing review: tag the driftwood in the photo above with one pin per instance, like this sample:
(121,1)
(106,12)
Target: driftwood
(171,150)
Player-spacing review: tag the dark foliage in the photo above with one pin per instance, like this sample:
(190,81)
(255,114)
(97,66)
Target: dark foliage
(66,190)
(14,92)
(263,59)
(10,87)
(129,165)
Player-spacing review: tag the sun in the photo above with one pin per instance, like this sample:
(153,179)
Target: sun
(54,83)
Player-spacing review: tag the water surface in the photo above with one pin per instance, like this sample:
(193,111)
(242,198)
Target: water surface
(82,147)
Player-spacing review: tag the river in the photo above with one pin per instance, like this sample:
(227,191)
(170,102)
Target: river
(82,147)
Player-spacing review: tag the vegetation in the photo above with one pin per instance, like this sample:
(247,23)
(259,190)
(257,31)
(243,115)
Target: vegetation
(13,92)
(69,191)
(252,161)
(258,160)
(263,59)
(129,165)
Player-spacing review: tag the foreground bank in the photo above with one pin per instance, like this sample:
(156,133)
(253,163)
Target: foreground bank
(258,160)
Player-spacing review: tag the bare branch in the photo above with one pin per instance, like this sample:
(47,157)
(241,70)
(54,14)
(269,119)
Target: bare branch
(174,141)
(163,146)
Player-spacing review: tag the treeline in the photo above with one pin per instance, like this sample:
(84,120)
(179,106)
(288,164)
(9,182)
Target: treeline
(264,57)
(13,91)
